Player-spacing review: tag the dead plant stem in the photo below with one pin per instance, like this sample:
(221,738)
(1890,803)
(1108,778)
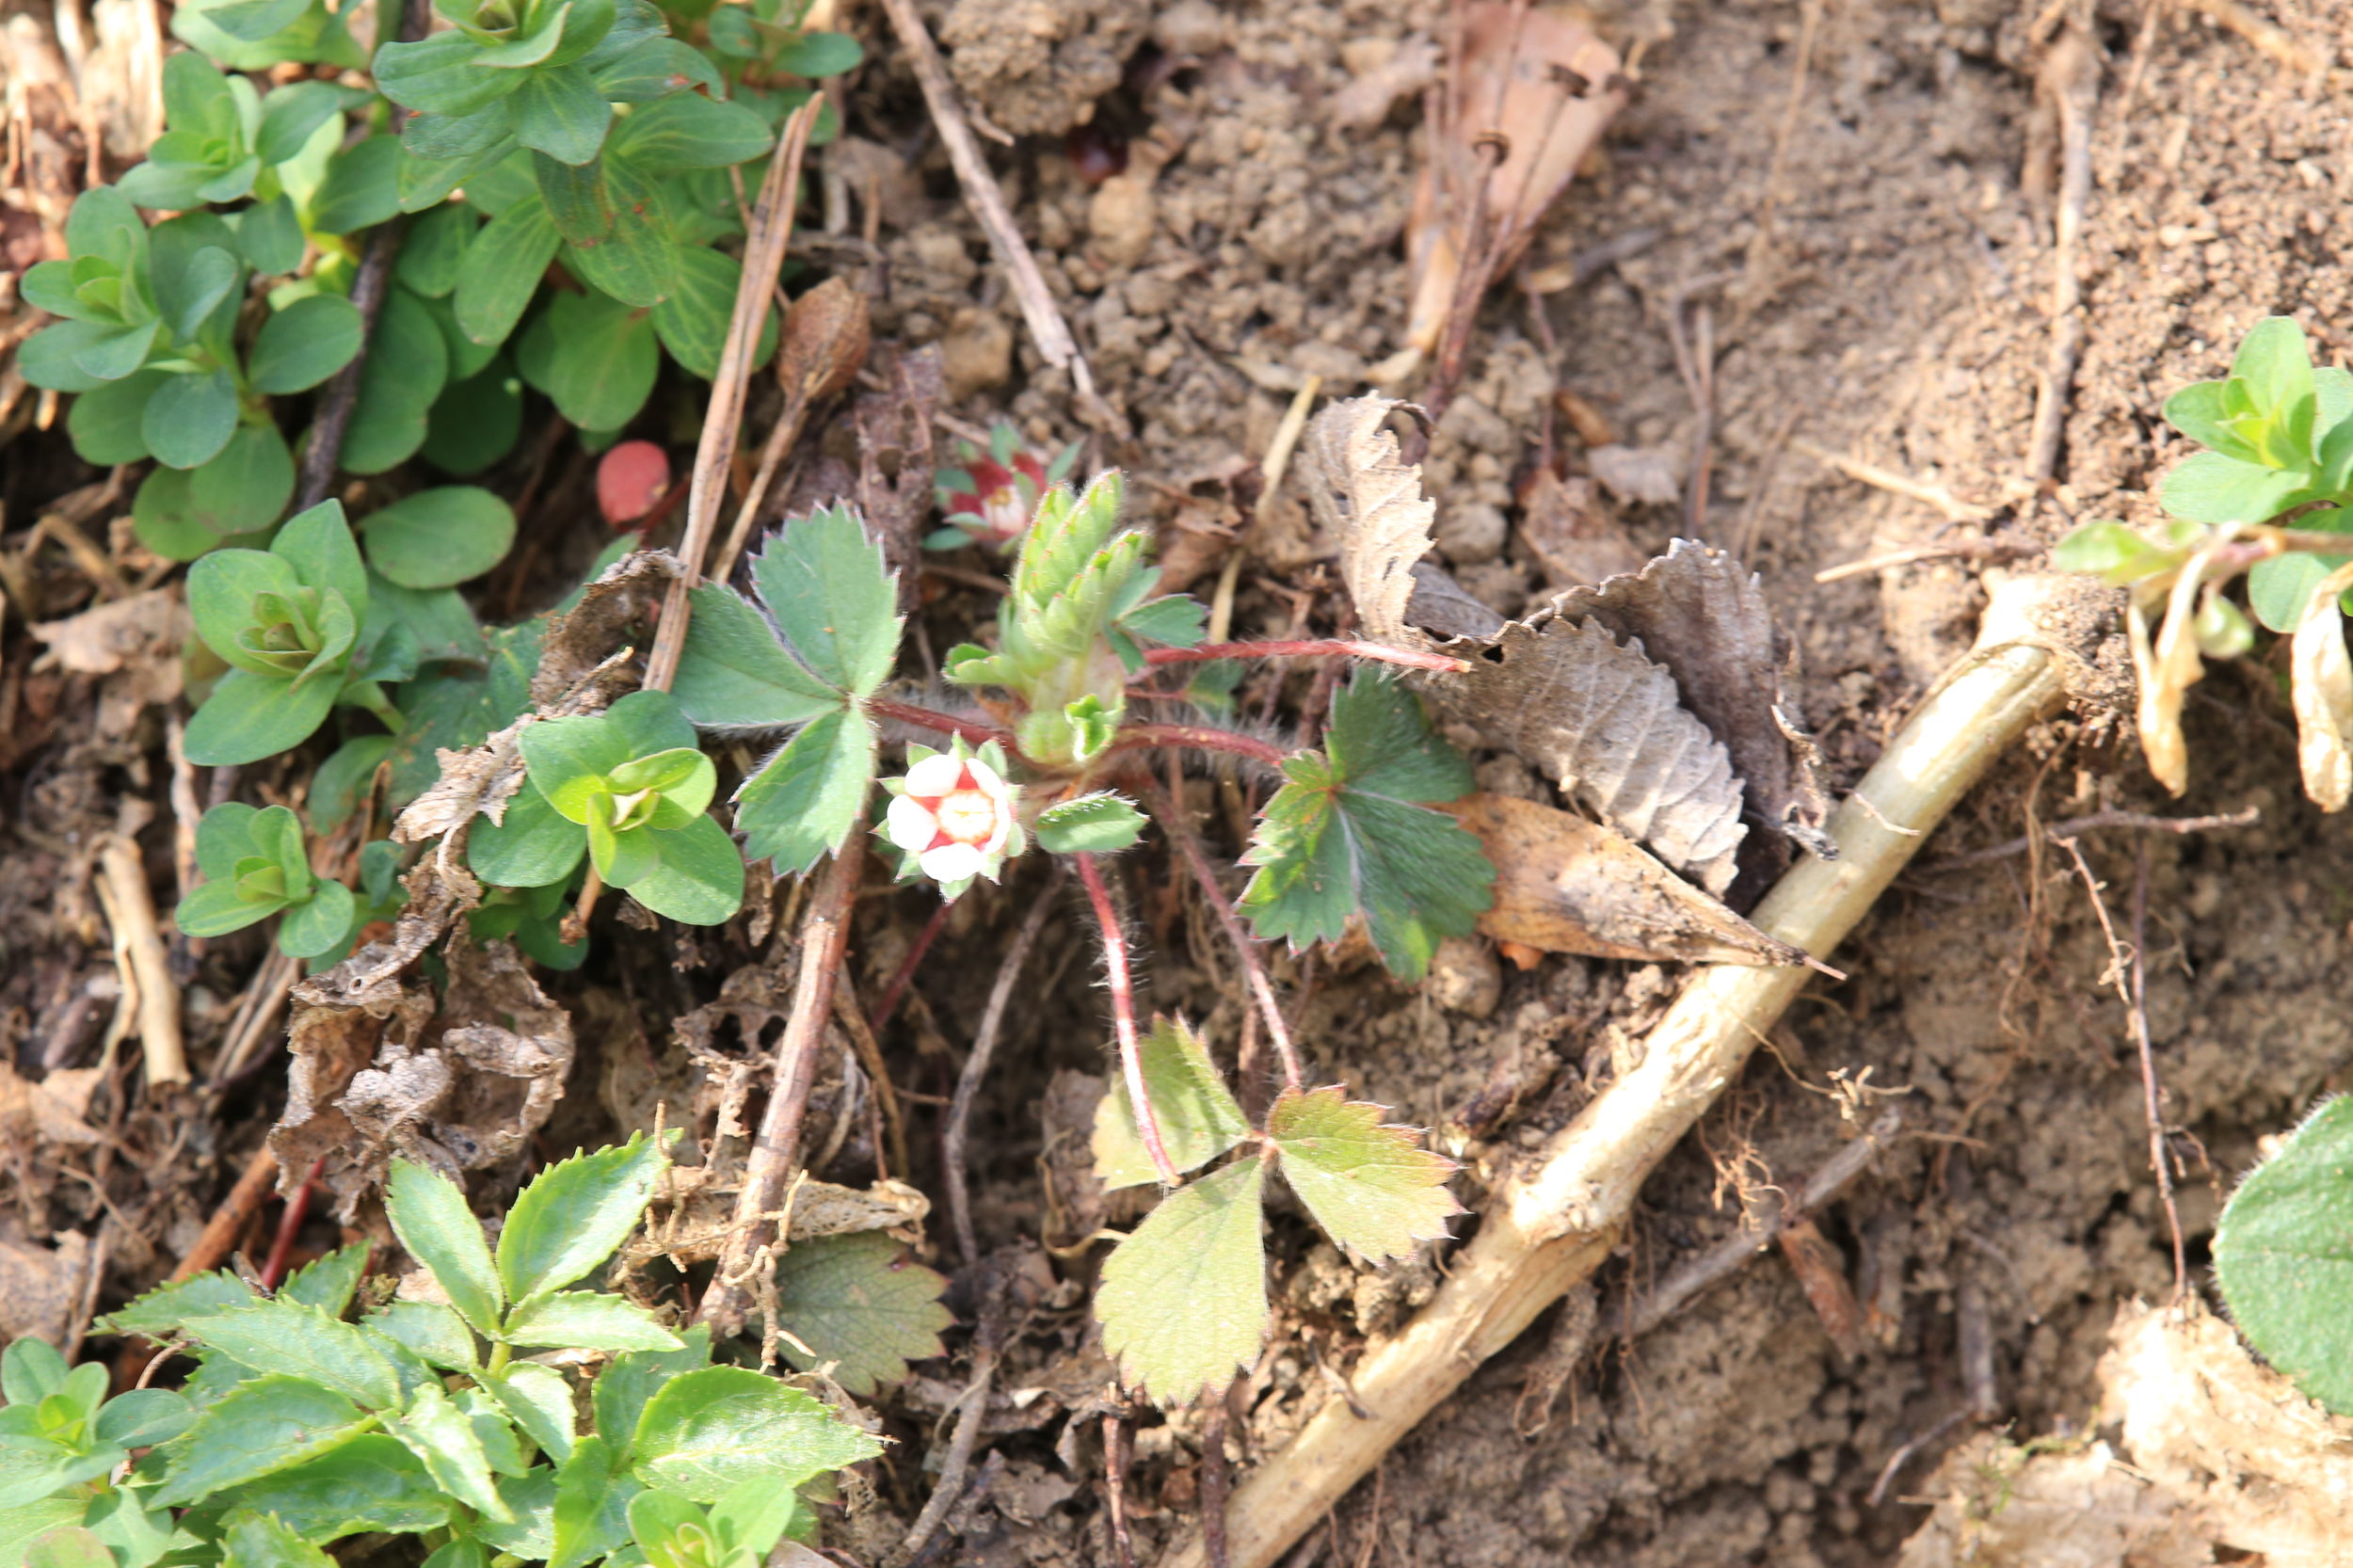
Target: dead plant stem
(776,1148)
(2071,76)
(130,911)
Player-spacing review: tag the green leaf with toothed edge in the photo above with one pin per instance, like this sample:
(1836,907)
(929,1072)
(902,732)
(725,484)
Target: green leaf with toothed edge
(430,1215)
(1372,1186)
(1183,1300)
(1352,832)
(574,1215)
(861,1303)
(802,802)
(1198,1118)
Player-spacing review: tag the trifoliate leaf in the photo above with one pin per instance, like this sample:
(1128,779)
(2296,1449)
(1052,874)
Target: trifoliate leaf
(1352,832)
(1198,1119)
(834,602)
(860,1302)
(2284,1253)
(1372,1188)
(798,808)
(1183,1301)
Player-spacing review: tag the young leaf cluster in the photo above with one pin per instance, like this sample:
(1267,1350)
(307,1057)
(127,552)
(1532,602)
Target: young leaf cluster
(1183,1300)
(434,1418)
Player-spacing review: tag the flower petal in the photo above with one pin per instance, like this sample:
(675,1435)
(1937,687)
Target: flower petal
(951,862)
(934,775)
(910,825)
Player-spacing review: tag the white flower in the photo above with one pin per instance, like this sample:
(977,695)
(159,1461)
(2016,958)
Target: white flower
(954,815)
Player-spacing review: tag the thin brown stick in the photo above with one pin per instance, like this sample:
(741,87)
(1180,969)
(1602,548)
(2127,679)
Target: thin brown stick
(1189,844)
(776,1149)
(976,1068)
(1048,328)
(723,423)
(1963,550)
(2097,820)
(257,1012)
(130,911)
(897,990)
(969,1410)
(1329,648)
(1116,1487)
(2280,44)
(1952,508)
(1123,1017)
(2070,75)
(235,1212)
(1196,737)
(1835,1175)
(1214,1482)
(2128,978)
(933,719)
(851,1018)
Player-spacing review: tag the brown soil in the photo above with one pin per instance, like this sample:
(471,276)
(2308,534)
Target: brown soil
(1882,299)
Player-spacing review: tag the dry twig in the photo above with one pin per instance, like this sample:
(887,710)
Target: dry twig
(1048,328)
(1952,508)
(2070,75)
(1551,1227)
(2074,825)
(147,973)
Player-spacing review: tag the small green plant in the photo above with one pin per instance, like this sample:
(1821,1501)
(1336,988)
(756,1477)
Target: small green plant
(256,865)
(628,789)
(2270,496)
(438,1419)
(2284,1254)
(1057,759)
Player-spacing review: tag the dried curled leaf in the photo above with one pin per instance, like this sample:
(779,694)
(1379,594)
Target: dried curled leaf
(2323,697)
(2167,668)
(1369,498)
(1700,614)
(1565,885)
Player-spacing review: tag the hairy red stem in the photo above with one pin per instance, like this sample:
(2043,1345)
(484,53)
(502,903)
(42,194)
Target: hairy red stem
(1124,1016)
(933,719)
(1199,736)
(1189,844)
(1410,658)
(896,991)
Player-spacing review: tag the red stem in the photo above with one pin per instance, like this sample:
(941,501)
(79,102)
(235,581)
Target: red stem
(1174,825)
(289,1225)
(1200,738)
(1124,1016)
(932,718)
(896,991)
(1410,658)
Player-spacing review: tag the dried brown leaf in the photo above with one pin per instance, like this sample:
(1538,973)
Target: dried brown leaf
(1697,612)
(824,341)
(1566,885)
(370,1080)
(48,1111)
(2323,697)
(47,1293)
(1603,721)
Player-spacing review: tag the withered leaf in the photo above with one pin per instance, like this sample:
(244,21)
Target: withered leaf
(1566,885)
(1603,720)
(1700,614)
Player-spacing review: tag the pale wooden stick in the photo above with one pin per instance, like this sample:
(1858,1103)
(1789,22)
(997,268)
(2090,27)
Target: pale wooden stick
(131,910)
(764,254)
(1550,1228)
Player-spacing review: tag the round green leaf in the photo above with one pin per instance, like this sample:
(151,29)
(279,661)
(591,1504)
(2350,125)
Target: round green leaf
(699,877)
(305,343)
(245,488)
(105,422)
(599,359)
(2284,1253)
(406,364)
(318,923)
(159,515)
(251,716)
(189,418)
(437,538)
(475,421)
(531,847)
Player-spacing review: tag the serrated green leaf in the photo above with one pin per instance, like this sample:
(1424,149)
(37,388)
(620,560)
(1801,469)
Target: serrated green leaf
(329,1283)
(439,537)
(259,1427)
(25,1523)
(278,1338)
(833,599)
(305,343)
(372,1483)
(531,1500)
(136,1535)
(1198,1118)
(709,1431)
(861,1303)
(434,1334)
(1353,832)
(1091,823)
(2284,1251)
(735,675)
(540,1402)
(1183,1300)
(501,1445)
(799,806)
(591,1514)
(430,1215)
(440,1433)
(1371,1186)
(70,1546)
(251,1540)
(588,1321)
(160,1311)
(628,1382)
(574,1215)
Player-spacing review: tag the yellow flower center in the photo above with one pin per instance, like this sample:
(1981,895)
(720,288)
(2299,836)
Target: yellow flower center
(966,817)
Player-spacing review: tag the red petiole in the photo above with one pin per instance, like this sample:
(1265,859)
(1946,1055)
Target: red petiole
(1124,1016)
